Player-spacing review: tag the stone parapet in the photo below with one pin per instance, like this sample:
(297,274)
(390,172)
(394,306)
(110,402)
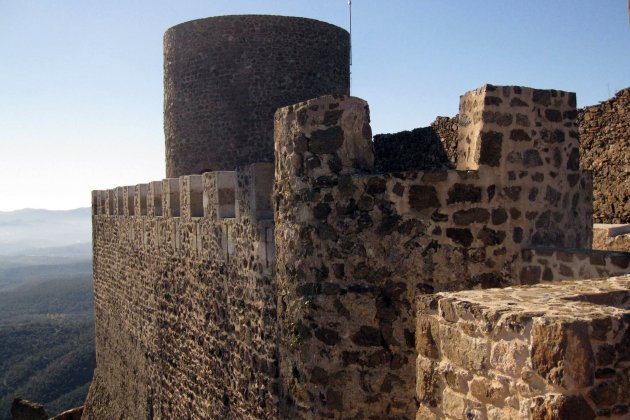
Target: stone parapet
(604,147)
(359,245)
(547,351)
(185,299)
(550,264)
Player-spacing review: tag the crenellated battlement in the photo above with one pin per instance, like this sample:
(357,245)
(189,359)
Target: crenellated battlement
(221,195)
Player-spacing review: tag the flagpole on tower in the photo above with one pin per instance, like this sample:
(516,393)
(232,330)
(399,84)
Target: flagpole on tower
(350,10)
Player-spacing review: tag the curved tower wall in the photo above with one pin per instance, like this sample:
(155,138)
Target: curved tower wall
(224,77)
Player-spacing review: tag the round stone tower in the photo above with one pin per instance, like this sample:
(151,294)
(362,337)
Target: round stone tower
(224,78)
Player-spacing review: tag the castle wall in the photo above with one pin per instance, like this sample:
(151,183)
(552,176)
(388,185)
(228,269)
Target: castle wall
(185,306)
(215,298)
(225,76)
(433,147)
(355,247)
(605,148)
(548,351)
(604,144)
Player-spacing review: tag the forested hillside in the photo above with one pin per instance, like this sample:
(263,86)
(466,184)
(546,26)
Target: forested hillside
(46,313)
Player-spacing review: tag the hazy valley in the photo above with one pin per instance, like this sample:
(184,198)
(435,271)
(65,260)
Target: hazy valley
(46,308)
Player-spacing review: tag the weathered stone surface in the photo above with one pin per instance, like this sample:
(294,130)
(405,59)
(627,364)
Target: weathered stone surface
(213,120)
(604,145)
(562,407)
(562,353)
(550,327)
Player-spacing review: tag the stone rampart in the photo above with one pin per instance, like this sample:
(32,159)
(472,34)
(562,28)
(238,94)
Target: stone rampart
(185,301)
(605,148)
(549,351)
(433,147)
(355,247)
(215,298)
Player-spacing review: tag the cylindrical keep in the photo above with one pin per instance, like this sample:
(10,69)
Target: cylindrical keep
(224,78)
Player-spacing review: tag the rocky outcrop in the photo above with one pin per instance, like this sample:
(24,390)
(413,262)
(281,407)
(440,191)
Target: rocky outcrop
(22,409)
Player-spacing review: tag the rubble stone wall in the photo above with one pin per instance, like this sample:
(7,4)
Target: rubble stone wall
(549,351)
(224,77)
(549,264)
(185,306)
(215,298)
(433,147)
(356,247)
(605,148)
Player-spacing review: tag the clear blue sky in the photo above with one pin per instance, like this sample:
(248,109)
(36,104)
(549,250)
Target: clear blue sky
(81,80)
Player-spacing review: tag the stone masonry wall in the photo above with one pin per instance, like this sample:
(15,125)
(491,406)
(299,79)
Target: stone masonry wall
(185,306)
(224,77)
(552,351)
(605,147)
(604,132)
(355,247)
(548,264)
(433,147)
(212,302)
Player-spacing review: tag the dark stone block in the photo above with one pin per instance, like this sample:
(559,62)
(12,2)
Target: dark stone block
(376,185)
(434,176)
(604,394)
(531,158)
(597,259)
(555,136)
(312,163)
(541,97)
(325,181)
(319,376)
(499,216)
(332,117)
(522,120)
(488,280)
(570,115)
(530,274)
(321,211)
(513,193)
(491,237)
(327,336)
(621,261)
(439,217)
(553,115)
(573,163)
(422,197)
(492,189)
(533,193)
(368,337)
(398,189)
(468,216)
(460,193)
(564,407)
(552,196)
(326,141)
(499,118)
(547,274)
(492,100)
(460,236)
(490,150)
(517,102)
(519,135)
(334,163)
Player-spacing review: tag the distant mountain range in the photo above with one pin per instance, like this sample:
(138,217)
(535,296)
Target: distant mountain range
(36,232)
